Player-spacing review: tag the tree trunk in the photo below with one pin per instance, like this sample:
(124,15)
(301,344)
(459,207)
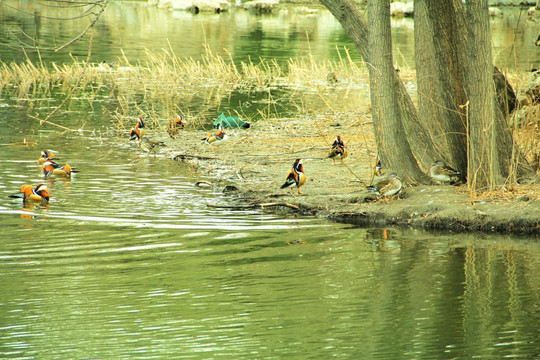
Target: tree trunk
(440,48)
(356,27)
(387,123)
(461,120)
(488,160)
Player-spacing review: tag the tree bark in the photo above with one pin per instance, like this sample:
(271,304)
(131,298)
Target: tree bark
(356,27)
(488,161)
(387,124)
(461,120)
(440,48)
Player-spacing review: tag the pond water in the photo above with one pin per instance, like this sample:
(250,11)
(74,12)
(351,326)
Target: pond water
(129,261)
(130,28)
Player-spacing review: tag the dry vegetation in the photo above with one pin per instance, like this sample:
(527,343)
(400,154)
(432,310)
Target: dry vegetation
(329,99)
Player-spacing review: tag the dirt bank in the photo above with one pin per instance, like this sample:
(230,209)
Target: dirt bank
(256,160)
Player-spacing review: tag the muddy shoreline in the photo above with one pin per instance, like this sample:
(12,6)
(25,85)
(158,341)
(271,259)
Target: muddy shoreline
(252,164)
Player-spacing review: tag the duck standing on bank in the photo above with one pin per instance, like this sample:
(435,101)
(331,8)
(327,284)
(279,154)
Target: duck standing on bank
(377,170)
(441,172)
(138,131)
(39,194)
(295,176)
(148,146)
(388,186)
(173,126)
(338,150)
(216,139)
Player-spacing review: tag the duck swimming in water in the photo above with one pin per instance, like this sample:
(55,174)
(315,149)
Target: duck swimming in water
(52,169)
(39,194)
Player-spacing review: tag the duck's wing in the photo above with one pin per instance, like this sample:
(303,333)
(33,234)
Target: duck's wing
(291,178)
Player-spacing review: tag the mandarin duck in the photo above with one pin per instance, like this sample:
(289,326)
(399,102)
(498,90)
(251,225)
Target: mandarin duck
(295,176)
(387,186)
(174,125)
(46,155)
(338,150)
(37,195)
(377,170)
(216,139)
(52,169)
(138,131)
(441,172)
(148,146)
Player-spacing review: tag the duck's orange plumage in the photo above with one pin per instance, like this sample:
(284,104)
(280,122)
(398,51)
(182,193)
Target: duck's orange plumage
(295,176)
(39,194)
(138,131)
(46,155)
(378,170)
(217,139)
(338,150)
(174,125)
(51,169)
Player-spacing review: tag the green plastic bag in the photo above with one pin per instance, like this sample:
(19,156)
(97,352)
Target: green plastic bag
(230,122)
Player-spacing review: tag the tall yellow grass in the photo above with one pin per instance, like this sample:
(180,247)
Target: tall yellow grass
(164,80)
(156,86)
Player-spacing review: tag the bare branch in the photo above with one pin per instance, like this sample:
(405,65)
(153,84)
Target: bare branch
(92,9)
(68,4)
(76,83)
(103,5)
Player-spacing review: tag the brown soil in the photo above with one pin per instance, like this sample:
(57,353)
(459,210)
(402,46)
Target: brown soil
(255,161)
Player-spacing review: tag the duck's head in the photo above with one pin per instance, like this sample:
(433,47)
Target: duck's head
(140,123)
(439,162)
(48,166)
(298,165)
(42,191)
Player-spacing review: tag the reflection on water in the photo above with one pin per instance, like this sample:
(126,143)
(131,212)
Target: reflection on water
(128,28)
(129,261)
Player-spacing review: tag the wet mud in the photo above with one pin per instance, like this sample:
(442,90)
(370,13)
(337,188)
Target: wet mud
(252,165)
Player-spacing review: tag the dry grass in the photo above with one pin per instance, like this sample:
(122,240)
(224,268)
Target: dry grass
(158,87)
(525,192)
(164,77)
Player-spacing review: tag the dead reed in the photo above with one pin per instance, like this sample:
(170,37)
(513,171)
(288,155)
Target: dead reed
(159,87)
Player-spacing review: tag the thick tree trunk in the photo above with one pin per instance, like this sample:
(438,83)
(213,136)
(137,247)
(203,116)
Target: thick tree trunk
(489,161)
(462,121)
(388,128)
(356,27)
(444,81)
(440,48)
